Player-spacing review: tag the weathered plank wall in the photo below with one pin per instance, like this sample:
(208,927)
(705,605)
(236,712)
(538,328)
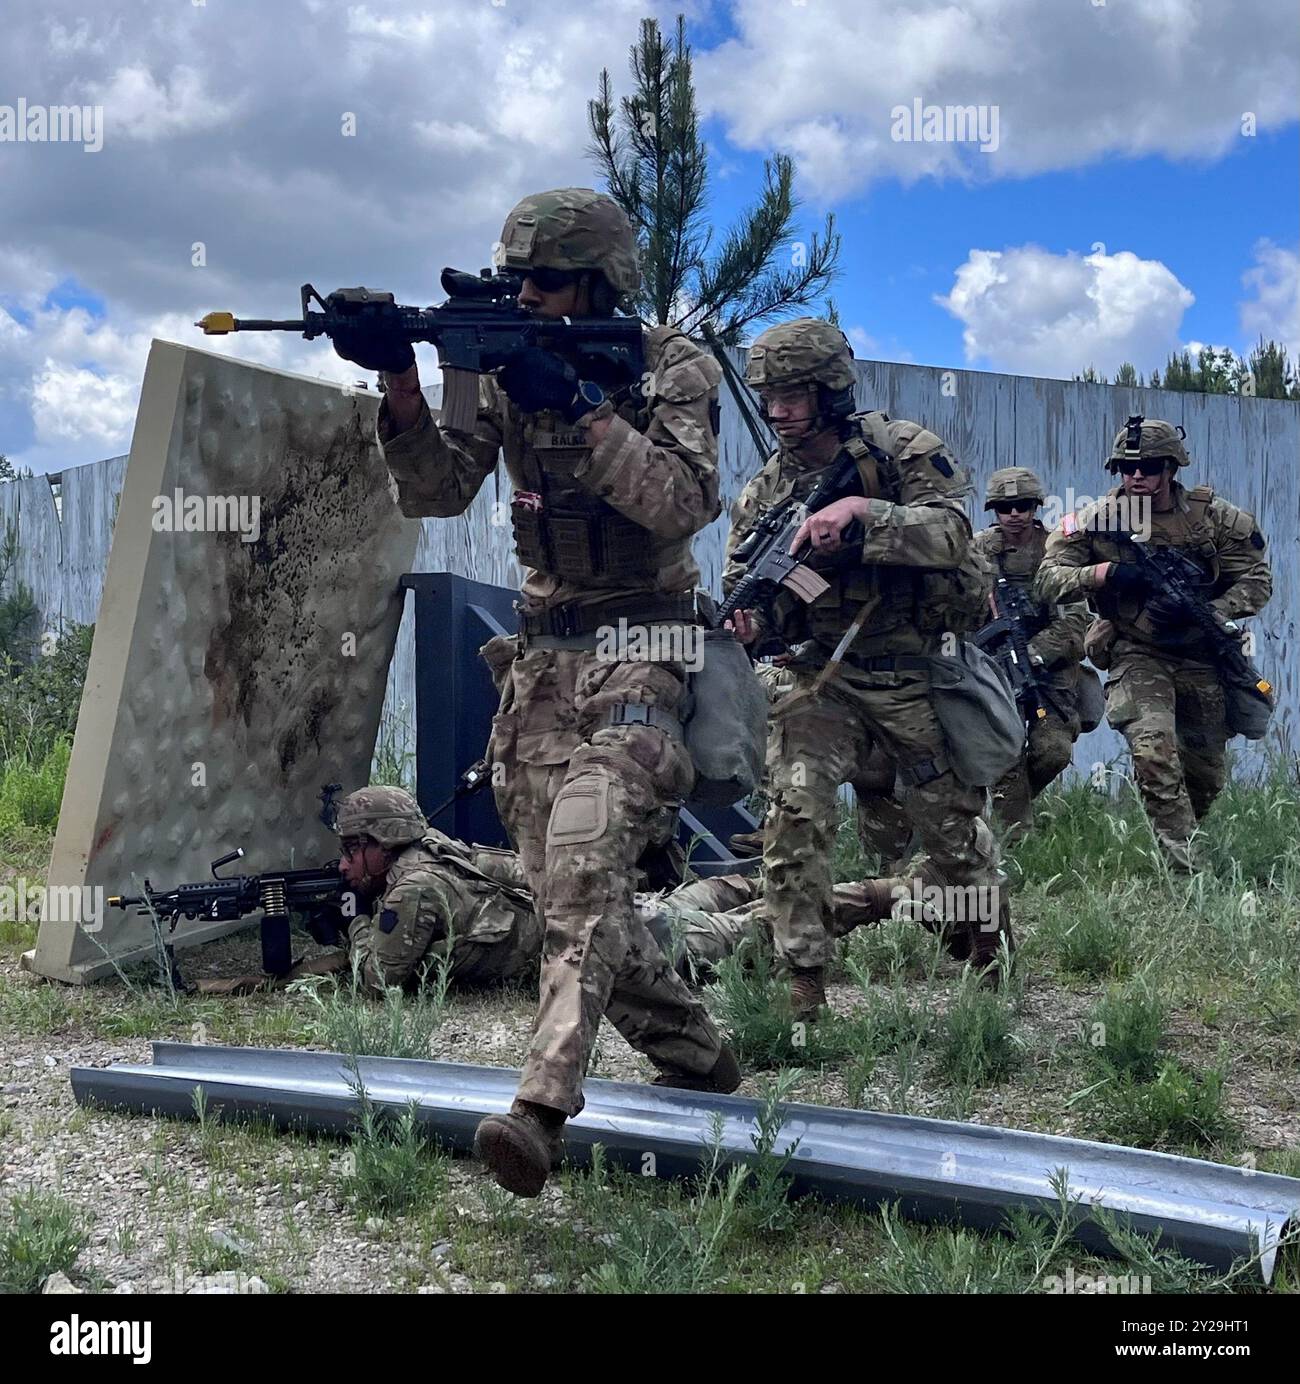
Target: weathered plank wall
(1247,448)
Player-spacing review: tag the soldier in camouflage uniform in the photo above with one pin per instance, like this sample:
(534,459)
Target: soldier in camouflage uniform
(431,898)
(1015,545)
(911,579)
(1163,693)
(437,899)
(589,760)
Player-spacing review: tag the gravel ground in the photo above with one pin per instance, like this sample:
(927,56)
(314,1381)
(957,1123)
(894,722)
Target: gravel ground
(172,1207)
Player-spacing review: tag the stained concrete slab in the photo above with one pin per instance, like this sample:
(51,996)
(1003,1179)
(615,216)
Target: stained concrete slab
(233,673)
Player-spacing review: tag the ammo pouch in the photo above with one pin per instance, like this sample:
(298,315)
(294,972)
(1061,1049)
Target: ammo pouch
(983,728)
(956,600)
(580,538)
(726,731)
(1091,699)
(1248,710)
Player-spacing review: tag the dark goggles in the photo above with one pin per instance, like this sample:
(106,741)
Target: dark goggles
(552,280)
(1014,506)
(1146,466)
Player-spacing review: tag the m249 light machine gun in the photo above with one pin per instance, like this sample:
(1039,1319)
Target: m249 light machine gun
(479,325)
(319,895)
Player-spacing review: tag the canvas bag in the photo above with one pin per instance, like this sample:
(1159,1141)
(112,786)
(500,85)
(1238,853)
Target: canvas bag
(982,725)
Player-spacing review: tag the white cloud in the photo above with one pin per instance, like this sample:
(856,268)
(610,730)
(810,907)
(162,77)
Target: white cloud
(1028,311)
(139,106)
(1274,312)
(1072,83)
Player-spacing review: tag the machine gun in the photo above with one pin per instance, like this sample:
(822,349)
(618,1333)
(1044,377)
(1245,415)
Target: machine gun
(319,894)
(1006,639)
(770,566)
(1174,575)
(478,326)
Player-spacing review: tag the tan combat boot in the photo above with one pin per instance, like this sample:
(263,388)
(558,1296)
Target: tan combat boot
(985,946)
(722,1078)
(746,844)
(521,1148)
(808,992)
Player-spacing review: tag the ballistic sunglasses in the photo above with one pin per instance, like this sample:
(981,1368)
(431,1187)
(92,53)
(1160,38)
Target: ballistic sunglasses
(1014,506)
(1148,466)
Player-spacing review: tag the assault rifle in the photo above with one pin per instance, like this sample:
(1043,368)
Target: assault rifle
(319,894)
(1172,573)
(770,566)
(478,326)
(1006,639)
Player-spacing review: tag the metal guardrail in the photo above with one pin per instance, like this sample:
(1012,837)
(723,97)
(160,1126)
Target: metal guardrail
(934,1169)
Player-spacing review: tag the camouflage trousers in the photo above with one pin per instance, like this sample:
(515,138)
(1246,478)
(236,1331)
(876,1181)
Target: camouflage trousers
(816,743)
(1173,714)
(884,830)
(1047,755)
(582,800)
(710,918)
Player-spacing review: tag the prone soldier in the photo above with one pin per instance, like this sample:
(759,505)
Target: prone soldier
(1164,693)
(910,579)
(431,899)
(588,754)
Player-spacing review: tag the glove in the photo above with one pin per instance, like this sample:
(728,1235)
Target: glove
(1126,579)
(374,350)
(535,379)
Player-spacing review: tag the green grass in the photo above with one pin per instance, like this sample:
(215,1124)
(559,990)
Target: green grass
(30,793)
(1179,1111)
(977,1043)
(1125,1031)
(40,1233)
(344,1018)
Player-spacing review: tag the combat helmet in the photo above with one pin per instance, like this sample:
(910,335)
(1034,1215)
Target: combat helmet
(572,228)
(805,351)
(1014,483)
(390,816)
(1148,437)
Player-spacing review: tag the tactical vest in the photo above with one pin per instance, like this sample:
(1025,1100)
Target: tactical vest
(562,529)
(1020,566)
(1187,529)
(932,602)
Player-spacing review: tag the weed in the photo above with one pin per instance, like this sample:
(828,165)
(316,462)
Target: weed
(1125,1029)
(41,1233)
(976,1044)
(1178,1110)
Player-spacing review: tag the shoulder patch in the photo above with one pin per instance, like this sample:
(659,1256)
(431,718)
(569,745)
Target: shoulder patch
(1069,524)
(1257,540)
(388,920)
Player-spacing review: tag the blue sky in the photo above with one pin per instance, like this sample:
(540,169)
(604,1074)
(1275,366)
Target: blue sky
(1119,124)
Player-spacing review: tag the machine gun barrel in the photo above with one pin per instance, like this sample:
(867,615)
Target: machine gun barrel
(475,330)
(318,892)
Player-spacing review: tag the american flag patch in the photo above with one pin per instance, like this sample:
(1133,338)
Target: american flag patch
(1069,524)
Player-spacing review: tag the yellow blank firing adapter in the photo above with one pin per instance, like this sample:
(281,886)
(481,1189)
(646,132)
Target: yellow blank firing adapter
(1264,686)
(217,323)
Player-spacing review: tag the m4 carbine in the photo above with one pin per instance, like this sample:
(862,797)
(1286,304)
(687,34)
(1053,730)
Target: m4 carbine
(479,325)
(1006,639)
(770,566)
(1172,574)
(319,894)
